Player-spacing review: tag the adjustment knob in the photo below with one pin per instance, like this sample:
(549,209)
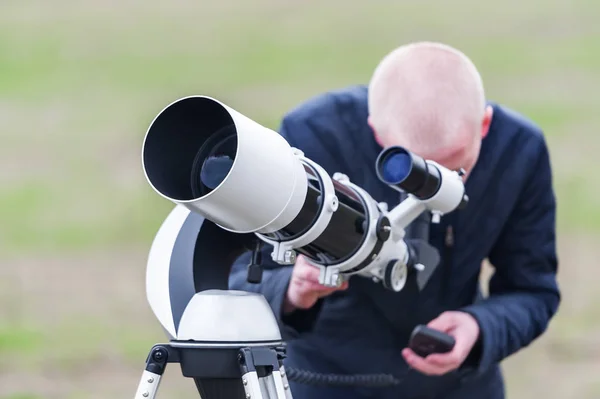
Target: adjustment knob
(395,276)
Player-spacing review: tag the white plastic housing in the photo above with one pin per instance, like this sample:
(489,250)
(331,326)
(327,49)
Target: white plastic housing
(450,193)
(159,267)
(264,189)
(228,316)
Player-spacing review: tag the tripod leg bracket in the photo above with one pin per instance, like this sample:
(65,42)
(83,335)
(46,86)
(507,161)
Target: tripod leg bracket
(156,362)
(261,369)
(261,373)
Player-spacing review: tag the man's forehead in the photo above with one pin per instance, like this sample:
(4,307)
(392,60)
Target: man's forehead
(450,156)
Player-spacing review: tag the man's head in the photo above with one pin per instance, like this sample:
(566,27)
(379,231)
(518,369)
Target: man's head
(429,98)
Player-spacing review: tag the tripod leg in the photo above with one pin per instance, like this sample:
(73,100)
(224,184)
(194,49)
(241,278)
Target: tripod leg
(261,374)
(155,367)
(275,386)
(252,385)
(286,384)
(148,385)
(272,386)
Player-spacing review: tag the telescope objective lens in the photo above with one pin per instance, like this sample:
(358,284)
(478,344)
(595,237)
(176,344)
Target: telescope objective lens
(214,170)
(214,161)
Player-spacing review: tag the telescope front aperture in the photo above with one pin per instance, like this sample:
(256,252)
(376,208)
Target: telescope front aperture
(190,148)
(206,156)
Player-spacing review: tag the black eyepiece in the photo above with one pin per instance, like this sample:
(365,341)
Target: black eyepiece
(408,172)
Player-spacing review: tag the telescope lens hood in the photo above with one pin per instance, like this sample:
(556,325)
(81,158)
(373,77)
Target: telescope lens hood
(202,154)
(180,141)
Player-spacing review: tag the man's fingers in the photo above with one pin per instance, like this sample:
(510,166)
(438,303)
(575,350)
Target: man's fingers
(444,322)
(321,289)
(307,273)
(423,365)
(451,359)
(457,355)
(463,329)
(308,276)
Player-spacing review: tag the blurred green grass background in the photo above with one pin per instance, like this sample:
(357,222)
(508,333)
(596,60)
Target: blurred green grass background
(80,82)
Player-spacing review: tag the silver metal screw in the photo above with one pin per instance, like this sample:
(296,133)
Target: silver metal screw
(334,204)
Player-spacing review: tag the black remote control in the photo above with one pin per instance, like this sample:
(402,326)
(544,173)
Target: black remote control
(425,341)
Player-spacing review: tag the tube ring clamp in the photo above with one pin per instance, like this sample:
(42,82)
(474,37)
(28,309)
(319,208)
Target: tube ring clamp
(330,205)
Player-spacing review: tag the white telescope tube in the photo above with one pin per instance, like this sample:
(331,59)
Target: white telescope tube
(247,177)
(203,155)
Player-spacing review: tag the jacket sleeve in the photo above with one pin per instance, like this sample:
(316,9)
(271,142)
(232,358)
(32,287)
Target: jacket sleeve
(523,292)
(276,278)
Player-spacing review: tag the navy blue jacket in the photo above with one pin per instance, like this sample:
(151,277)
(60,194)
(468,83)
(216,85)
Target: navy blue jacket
(510,220)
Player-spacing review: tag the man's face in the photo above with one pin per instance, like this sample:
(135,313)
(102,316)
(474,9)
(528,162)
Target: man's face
(462,154)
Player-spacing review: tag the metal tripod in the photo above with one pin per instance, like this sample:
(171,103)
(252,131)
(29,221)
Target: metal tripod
(222,371)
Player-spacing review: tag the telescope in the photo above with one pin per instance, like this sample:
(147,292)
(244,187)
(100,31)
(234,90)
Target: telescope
(238,186)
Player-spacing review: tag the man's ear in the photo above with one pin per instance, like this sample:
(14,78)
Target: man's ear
(375,134)
(487,121)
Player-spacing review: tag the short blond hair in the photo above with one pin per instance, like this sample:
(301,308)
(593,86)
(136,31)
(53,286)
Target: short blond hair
(426,95)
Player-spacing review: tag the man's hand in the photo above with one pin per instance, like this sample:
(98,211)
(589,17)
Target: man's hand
(304,289)
(465,330)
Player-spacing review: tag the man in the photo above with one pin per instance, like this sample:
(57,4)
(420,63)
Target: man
(429,98)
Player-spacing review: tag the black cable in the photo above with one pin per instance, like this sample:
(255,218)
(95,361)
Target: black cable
(341,380)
